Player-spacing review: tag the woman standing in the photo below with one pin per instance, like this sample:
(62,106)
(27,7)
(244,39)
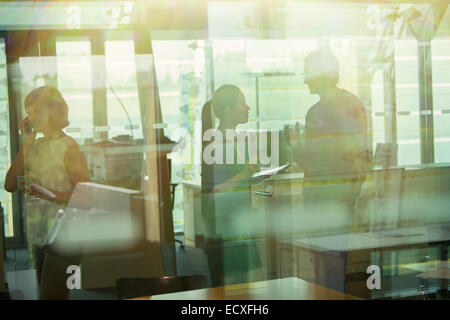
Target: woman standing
(226,205)
(53,162)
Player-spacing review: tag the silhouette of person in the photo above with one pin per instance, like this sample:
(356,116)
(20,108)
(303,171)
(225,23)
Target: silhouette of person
(53,162)
(226,189)
(335,155)
(336,138)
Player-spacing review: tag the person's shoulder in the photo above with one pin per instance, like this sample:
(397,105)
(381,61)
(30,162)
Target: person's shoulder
(353,105)
(351,98)
(70,143)
(313,109)
(73,151)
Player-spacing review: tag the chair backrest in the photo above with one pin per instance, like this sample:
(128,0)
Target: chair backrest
(128,288)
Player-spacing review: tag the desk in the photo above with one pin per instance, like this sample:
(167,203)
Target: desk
(278,289)
(423,199)
(363,244)
(392,239)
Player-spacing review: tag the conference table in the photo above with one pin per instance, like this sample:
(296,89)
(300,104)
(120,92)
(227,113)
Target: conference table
(277,289)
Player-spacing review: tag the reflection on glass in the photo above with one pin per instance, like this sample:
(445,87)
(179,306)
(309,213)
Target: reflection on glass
(5,143)
(46,170)
(340,109)
(74,62)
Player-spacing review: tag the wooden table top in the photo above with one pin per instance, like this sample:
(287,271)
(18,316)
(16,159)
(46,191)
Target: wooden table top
(279,289)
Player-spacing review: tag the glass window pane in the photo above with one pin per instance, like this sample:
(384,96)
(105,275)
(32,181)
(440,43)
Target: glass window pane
(123,111)
(5,160)
(138,116)
(74,62)
(407,92)
(440,49)
(180,70)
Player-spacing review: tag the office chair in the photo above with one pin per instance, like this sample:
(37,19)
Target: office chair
(128,288)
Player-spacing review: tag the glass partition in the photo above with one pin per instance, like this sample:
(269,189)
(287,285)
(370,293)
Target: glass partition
(6,200)
(91,155)
(295,139)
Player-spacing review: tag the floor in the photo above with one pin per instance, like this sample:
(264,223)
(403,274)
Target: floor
(22,284)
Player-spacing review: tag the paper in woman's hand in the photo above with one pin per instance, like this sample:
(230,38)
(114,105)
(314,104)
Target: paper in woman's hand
(42,190)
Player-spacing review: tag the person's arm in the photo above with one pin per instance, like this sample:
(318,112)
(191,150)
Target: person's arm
(209,184)
(17,167)
(234,181)
(301,150)
(360,153)
(293,144)
(14,171)
(77,170)
(76,165)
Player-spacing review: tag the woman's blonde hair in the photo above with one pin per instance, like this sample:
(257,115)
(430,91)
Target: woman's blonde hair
(52,99)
